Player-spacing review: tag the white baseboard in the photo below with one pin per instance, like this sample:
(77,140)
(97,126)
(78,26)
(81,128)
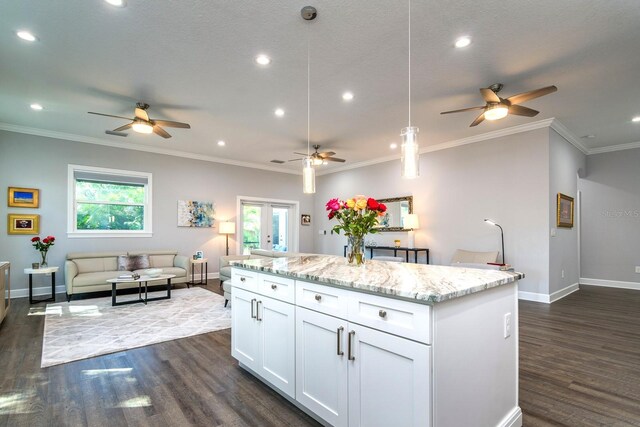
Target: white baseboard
(514,419)
(548,299)
(610,283)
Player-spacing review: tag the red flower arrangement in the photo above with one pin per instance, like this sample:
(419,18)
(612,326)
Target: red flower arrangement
(43,247)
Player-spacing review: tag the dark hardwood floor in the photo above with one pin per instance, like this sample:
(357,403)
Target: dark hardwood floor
(579,366)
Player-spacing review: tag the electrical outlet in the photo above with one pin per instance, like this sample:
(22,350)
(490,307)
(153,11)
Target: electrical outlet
(562,274)
(507,325)
(553,232)
(637,268)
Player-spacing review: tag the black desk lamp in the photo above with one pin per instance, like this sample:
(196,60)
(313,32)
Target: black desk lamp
(488,221)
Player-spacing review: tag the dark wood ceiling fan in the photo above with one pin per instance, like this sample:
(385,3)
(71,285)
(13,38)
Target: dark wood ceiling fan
(498,108)
(143,124)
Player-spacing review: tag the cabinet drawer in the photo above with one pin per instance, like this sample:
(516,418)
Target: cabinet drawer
(244,279)
(324,299)
(402,318)
(277,287)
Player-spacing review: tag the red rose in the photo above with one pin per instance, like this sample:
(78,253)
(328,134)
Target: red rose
(333,205)
(45,240)
(372,204)
(35,239)
(332,214)
(382,207)
(51,238)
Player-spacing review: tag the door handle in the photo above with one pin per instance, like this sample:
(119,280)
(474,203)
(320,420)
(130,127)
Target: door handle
(253,316)
(339,343)
(258,318)
(350,345)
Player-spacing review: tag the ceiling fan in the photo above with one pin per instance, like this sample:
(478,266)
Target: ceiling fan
(141,123)
(319,158)
(498,108)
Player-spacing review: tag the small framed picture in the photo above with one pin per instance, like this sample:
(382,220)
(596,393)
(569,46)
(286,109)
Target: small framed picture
(305,219)
(199,255)
(565,211)
(23,197)
(23,224)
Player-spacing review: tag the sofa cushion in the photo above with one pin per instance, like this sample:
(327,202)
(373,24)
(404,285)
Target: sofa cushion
(91,265)
(160,261)
(133,262)
(179,272)
(96,278)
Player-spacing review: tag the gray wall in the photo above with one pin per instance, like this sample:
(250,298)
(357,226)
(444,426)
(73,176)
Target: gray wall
(564,162)
(38,162)
(506,179)
(610,237)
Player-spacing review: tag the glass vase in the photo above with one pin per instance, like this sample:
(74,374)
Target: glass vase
(43,262)
(355,250)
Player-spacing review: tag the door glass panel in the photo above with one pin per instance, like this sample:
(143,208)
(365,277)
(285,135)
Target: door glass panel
(280,228)
(251,227)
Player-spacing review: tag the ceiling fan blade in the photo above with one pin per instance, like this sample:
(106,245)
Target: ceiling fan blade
(109,115)
(170,124)
(523,97)
(142,114)
(125,127)
(519,110)
(327,154)
(334,159)
(488,95)
(159,131)
(301,154)
(296,160)
(463,109)
(478,120)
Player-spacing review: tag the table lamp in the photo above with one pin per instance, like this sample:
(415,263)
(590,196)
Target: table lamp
(411,223)
(227,228)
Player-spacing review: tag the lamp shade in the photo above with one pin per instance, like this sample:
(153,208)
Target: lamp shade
(227,228)
(411,222)
(308,177)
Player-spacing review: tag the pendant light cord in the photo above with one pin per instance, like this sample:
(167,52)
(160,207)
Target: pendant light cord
(308,93)
(409,63)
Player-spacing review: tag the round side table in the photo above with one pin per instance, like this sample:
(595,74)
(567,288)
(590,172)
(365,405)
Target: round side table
(48,270)
(204,268)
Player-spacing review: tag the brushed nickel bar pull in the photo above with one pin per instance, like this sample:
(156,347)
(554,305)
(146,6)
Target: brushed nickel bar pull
(351,356)
(339,344)
(258,318)
(253,316)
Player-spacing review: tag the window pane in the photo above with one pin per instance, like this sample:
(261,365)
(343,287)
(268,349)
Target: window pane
(92,191)
(109,217)
(251,227)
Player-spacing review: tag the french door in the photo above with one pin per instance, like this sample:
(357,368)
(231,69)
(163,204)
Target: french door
(267,225)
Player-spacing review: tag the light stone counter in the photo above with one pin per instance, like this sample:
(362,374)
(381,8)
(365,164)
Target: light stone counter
(416,282)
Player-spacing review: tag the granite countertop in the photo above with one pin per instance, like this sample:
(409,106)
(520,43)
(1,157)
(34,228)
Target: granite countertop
(424,283)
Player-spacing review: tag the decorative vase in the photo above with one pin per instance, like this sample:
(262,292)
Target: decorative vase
(43,263)
(355,250)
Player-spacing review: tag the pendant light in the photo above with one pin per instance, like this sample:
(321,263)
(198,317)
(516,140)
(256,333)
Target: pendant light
(410,156)
(308,13)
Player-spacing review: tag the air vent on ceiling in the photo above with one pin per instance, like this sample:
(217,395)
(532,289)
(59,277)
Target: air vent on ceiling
(277,161)
(110,132)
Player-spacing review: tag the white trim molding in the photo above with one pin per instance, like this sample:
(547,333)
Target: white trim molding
(610,283)
(611,148)
(548,299)
(39,291)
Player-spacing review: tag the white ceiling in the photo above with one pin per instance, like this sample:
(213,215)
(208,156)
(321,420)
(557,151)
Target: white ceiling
(194,62)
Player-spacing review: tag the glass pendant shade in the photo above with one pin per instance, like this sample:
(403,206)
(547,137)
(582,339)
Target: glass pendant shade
(308,176)
(410,157)
(496,112)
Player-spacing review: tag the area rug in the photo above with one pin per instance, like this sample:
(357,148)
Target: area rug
(87,328)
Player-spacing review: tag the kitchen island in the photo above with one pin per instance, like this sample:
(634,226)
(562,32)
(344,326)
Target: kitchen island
(384,344)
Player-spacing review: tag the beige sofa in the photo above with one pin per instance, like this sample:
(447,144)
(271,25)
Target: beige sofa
(225,266)
(89,271)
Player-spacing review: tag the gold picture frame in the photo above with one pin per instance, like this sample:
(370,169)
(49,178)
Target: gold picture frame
(564,217)
(23,197)
(23,224)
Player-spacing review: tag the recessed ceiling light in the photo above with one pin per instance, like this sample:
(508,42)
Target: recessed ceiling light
(463,41)
(117,3)
(636,119)
(26,35)
(393,145)
(279,112)
(36,107)
(347,96)
(263,60)
(221,143)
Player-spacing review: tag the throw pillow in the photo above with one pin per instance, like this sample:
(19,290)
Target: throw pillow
(132,263)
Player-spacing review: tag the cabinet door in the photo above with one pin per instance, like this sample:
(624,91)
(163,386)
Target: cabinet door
(388,380)
(245,331)
(277,343)
(321,373)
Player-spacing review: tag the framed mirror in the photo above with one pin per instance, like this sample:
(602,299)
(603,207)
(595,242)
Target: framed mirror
(397,209)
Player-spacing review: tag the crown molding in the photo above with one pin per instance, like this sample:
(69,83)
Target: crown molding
(611,148)
(569,136)
(137,147)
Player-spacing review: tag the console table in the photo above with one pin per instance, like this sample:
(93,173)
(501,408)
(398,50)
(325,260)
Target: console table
(395,251)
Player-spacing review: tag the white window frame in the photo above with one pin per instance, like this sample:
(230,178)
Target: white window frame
(73,232)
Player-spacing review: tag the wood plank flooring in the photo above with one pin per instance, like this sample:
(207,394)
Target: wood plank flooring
(579,366)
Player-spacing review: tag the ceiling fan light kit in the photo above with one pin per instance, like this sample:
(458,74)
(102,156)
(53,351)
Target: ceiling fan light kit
(142,127)
(496,112)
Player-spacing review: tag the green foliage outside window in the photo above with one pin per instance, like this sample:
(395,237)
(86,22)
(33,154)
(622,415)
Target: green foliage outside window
(109,206)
